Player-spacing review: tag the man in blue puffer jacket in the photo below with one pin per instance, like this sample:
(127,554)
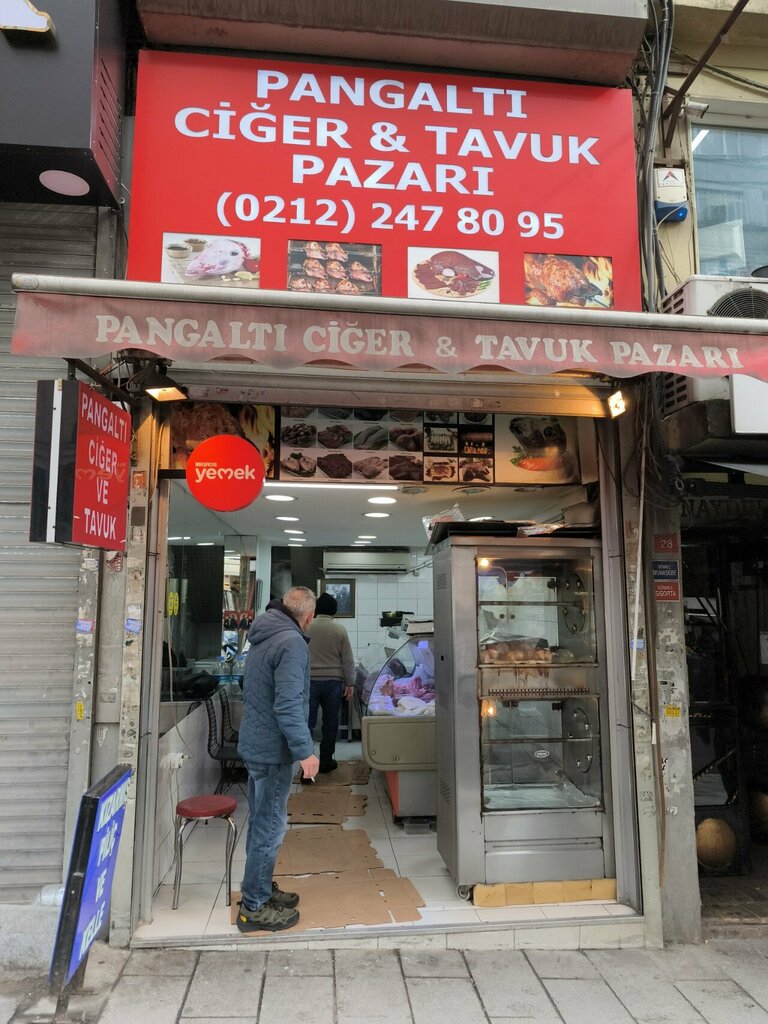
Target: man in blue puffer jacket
(273,736)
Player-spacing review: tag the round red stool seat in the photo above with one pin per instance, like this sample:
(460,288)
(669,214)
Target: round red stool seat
(206,807)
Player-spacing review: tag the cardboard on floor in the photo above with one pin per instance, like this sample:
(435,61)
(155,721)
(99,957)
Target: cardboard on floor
(324,805)
(375,896)
(325,848)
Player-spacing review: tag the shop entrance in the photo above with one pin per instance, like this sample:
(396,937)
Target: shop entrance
(726,617)
(365,541)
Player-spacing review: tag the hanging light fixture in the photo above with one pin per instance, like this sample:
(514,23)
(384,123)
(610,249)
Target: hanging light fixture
(158,385)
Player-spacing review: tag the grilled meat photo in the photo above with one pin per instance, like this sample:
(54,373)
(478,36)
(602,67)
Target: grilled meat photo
(405,467)
(298,464)
(335,436)
(337,466)
(301,435)
(371,467)
(372,438)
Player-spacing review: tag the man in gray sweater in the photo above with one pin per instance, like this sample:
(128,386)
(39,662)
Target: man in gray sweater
(332,674)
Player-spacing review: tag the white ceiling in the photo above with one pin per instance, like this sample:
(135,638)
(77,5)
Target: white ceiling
(335,517)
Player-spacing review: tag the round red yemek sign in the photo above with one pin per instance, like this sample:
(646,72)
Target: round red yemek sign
(225,473)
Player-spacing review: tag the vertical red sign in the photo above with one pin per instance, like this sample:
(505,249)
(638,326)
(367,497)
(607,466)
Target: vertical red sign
(102,454)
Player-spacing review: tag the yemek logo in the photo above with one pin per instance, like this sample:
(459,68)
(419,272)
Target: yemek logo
(225,473)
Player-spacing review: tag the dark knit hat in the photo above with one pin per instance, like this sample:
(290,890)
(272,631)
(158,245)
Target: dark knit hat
(326,605)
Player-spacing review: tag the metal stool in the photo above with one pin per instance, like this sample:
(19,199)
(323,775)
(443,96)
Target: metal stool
(202,808)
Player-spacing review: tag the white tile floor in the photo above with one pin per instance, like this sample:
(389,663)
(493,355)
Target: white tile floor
(202,911)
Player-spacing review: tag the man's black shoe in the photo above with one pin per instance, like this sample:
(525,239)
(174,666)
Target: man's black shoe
(283,899)
(330,767)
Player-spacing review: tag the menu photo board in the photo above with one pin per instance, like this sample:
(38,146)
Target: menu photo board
(250,173)
(409,446)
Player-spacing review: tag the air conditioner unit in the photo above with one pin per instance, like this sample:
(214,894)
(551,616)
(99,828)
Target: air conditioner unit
(379,562)
(701,295)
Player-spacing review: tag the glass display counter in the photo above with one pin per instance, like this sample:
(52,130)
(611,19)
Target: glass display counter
(519,702)
(396,696)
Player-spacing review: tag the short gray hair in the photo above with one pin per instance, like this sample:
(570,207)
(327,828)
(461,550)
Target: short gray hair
(300,601)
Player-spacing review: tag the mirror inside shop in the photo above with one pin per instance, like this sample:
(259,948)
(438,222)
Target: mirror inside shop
(528,615)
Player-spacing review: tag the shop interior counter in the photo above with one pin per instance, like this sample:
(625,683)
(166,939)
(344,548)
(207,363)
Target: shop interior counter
(396,696)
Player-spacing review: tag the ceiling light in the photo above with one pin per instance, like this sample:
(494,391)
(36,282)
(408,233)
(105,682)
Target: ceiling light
(360,543)
(330,487)
(293,531)
(65,183)
(382,500)
(186,538)
(366,536)
(205,544)
(376,515)
(287,519)
(293,545)
(174,538)
(158,385)
(279,497)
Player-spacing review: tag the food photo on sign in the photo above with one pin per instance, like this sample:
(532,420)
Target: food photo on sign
(581,281)
(453,274)
(194,422)
(339,267)
(211,259)
(536,450)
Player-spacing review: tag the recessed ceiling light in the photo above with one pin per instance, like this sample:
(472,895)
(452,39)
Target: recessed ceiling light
(382,500)
(287,519)
(366,536)
(293,531)
(376,515)
(65,183)
(279,497)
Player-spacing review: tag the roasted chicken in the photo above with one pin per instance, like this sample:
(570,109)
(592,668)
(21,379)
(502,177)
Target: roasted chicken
(558,280)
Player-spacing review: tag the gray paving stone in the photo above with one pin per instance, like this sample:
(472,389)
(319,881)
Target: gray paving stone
(523,1020)
(307,1000)
(221,1020)
(552,963)
(442,963)
(298,963)
(747,966)
(586,1002)
(370,987)
(105,964)
(723,1002)
(226,985)
(7,1008)
(646,994)
(444,999)
(133,1000)
(689,963)
(170,962)
(508,986)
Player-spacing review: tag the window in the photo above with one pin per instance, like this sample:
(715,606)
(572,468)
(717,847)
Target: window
(730,167)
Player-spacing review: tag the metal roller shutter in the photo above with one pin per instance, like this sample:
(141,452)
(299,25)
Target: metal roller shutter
(38,583)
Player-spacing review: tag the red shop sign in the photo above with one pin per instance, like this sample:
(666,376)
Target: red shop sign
(80,472)
(265,174)
(225,473)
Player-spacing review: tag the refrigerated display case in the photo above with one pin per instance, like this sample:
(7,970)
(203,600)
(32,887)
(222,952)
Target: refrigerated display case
(396,695)
(520,709)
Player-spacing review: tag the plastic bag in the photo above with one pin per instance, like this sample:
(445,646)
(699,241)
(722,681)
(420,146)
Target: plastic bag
(448,515)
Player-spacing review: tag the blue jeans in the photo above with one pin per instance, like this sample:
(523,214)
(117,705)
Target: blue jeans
(325,694)
(268,789)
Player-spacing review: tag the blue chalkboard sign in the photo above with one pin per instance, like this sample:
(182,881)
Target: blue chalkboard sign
(85,908)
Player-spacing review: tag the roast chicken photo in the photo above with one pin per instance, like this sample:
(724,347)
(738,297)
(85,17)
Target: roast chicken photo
(568,280)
